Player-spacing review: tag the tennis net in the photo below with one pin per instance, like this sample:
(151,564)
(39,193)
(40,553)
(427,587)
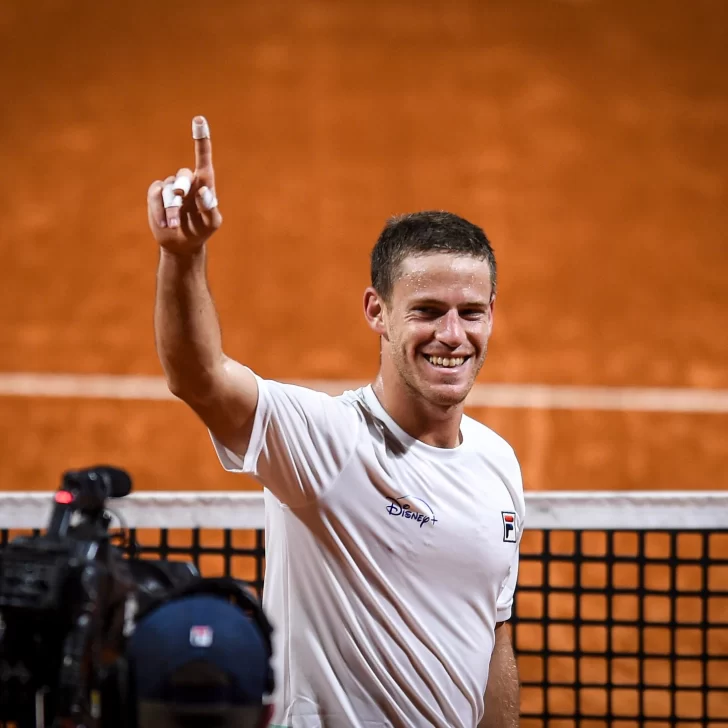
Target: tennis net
(620,618)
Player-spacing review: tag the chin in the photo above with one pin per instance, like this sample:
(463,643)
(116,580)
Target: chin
(446,396)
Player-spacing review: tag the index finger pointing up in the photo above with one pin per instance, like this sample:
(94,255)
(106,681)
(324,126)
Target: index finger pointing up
(203,146)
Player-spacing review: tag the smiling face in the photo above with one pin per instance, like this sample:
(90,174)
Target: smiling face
(436,324)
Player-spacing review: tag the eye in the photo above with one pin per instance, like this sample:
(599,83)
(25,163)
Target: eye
(472,314)
(427,311)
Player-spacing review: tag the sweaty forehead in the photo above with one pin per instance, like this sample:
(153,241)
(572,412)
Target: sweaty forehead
(440,275)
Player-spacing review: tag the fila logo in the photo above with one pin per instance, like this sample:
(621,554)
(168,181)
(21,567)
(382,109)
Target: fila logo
(200,636)
(509,526)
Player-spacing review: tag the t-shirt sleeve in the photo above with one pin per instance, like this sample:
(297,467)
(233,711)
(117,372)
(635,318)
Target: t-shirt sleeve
(504,604)
(514,483)
(300,441)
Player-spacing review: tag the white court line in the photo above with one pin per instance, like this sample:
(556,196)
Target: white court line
(507,396)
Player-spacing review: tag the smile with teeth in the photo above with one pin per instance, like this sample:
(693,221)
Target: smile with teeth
(441,361)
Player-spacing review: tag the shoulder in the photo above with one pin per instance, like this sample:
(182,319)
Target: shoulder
(276,388)
(310,399)
(487,441)
(308,403)
(499,455)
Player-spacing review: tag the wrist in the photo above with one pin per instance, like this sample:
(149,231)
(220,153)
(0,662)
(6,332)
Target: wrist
(185,258)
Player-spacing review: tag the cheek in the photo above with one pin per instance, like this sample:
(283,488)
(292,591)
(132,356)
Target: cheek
(480,332)
(414,336)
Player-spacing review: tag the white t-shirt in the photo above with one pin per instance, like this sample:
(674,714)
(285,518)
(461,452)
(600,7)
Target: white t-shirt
(389,561)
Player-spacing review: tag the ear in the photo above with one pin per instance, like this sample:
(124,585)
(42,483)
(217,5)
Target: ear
(492,312)
(375,312)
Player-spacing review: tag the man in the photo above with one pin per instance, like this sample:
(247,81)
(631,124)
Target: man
(393,520)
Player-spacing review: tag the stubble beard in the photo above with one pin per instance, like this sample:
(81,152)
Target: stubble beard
(423,390)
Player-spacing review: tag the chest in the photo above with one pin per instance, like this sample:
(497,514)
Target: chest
(453,522)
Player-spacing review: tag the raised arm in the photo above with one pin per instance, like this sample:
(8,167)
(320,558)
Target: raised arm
(183,214)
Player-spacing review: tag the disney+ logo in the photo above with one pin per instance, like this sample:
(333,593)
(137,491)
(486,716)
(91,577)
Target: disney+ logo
(422,516)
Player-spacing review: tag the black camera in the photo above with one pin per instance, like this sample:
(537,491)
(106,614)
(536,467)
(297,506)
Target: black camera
(69,600)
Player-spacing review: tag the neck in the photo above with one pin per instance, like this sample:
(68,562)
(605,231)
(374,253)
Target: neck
(435,425)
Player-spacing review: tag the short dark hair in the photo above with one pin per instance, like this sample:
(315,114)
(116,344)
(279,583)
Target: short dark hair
(423,233)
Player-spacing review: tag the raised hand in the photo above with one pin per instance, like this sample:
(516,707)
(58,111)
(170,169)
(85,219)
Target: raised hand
(182,210)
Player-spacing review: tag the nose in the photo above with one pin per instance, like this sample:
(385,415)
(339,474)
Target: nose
(450,330)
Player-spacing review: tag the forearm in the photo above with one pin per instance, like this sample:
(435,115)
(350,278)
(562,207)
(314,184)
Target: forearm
(188,338)
(502,695)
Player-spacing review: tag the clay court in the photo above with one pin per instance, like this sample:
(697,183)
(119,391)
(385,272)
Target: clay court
(588,138)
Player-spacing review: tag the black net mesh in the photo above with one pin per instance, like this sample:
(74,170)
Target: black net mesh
(623,628)
(611,628)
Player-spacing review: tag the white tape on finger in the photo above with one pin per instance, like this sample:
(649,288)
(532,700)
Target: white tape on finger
(182,185)
(207,198)
(200,128)
(169,198)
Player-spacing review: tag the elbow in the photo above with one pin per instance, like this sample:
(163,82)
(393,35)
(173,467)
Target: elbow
(192,390)
(177,389)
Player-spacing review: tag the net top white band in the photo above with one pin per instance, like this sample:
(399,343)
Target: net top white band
(244,510)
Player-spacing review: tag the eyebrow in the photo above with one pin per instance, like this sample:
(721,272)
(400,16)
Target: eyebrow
(429,301)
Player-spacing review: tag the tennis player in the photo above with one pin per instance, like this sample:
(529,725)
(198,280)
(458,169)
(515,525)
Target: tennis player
(393,520)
